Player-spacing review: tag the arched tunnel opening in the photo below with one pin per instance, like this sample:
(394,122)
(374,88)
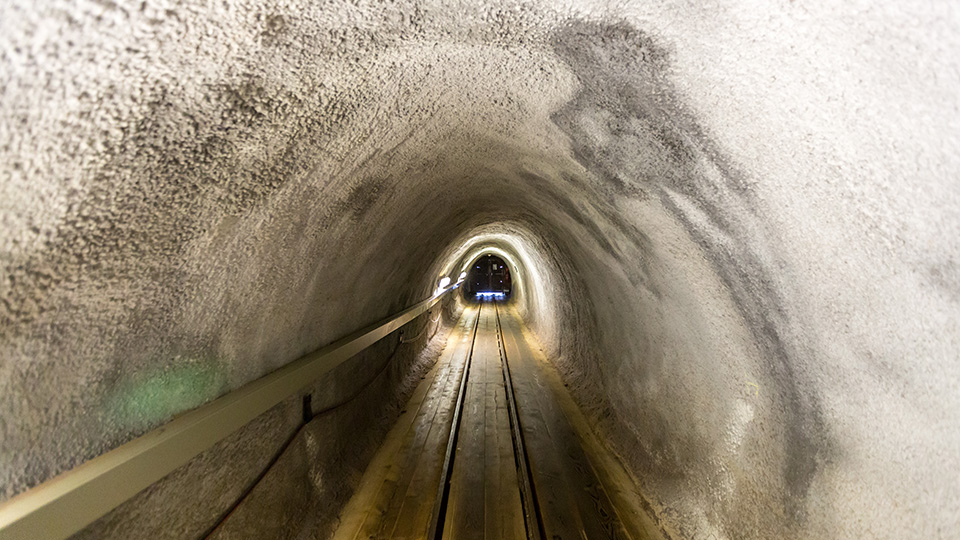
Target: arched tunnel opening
(239,239)
(488,277)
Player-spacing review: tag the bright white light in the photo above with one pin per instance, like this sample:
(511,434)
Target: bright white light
(443,285)
(463,276)
(495,294)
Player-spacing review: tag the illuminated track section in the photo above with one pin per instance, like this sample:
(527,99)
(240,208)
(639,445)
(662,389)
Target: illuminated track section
(454,526)
(490,446)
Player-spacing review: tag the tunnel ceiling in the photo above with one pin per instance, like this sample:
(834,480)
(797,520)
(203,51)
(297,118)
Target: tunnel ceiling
(736,226)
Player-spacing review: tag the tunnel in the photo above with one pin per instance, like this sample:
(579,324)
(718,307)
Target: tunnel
(488,277)
(732,232)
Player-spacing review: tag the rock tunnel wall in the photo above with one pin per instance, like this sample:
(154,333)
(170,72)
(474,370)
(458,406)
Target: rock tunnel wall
(738,226)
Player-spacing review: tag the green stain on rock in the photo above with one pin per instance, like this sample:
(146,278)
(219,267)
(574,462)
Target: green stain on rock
(146,400)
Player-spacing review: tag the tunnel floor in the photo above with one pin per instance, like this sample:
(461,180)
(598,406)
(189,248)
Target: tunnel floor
(520,466)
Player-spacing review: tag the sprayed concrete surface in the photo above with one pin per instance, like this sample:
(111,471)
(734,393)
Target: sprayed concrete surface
(736,227)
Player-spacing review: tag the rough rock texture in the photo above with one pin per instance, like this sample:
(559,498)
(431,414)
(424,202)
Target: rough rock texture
(285,475)
(737,227)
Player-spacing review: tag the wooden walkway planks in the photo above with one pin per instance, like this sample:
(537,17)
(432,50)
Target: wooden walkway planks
(397,495)
(572,501)
(619,485)
(484,498)
(401,480)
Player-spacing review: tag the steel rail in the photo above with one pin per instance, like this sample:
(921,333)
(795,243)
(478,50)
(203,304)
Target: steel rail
(72,500)
(443,490)
(533,519)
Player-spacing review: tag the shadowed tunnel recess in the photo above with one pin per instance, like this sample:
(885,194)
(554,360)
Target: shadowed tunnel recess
(727,232)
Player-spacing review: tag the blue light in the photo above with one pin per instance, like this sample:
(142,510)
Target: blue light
(495,294)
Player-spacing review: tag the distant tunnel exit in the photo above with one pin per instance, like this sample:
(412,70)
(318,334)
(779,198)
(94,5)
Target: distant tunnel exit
(488,277)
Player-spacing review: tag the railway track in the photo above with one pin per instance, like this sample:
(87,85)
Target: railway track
(532,518)
(485,450)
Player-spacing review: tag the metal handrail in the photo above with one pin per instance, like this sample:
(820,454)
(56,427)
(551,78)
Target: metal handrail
(74,499)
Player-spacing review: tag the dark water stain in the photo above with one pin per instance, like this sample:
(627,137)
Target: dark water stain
(625,73)
(247,101)
(944,277)
(547,190)
(274,27)
(362,196)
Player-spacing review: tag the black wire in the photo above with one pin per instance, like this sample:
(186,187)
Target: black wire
(364,386)
(304,422)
